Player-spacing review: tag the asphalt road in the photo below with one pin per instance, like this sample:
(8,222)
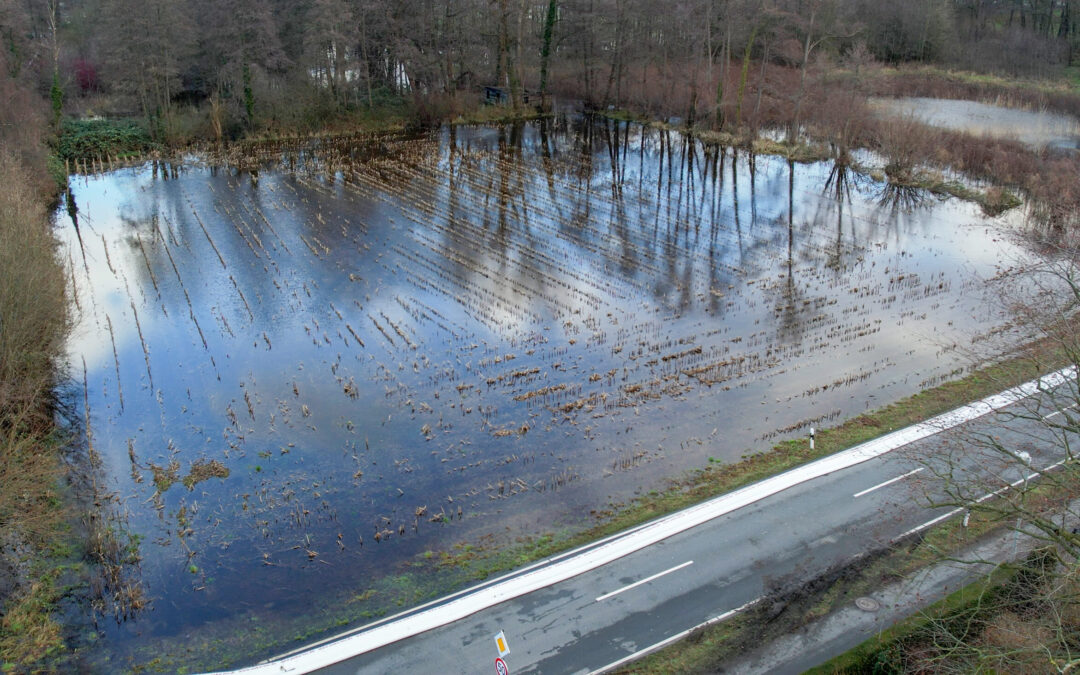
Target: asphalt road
(635,602)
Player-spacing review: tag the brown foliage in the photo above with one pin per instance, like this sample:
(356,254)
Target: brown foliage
(32,323)
(33,311)
(22,121)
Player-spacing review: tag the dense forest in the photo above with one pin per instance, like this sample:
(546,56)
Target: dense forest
(209,68)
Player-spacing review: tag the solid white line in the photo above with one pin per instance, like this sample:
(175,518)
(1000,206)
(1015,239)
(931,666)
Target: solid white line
(674,638)
(645,580)
(888,482)
(516,584)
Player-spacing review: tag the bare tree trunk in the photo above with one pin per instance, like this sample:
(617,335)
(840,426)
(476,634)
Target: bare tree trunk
(56,92)
(519,75)
(545,49)
(761,84)
(743,75)
(616,53)
(808,46)
(365,52)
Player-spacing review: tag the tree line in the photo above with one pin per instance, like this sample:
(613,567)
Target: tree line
(242,63)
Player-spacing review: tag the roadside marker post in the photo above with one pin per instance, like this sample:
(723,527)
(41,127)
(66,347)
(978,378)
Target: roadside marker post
(500,644)
(811,438)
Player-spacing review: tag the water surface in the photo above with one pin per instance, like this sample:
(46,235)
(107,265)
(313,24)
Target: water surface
(1034,128)
(302,376)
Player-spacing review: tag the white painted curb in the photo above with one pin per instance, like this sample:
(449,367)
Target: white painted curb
(592,557)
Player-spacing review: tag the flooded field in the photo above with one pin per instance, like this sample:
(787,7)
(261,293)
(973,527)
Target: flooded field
(299,376)
(1033,127)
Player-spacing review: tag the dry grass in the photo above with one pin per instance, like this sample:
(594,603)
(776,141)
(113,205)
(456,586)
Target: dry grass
(33,319)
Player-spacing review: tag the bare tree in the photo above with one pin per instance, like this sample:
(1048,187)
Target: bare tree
(1021,471)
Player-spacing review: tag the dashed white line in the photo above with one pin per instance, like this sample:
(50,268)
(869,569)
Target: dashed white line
(674,638)
(645,580)
(1058,412)
(988,495)
(888,482)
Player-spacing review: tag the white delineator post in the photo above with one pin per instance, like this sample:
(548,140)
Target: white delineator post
(811,438)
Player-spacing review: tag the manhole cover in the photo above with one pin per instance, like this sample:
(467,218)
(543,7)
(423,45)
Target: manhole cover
(867,604)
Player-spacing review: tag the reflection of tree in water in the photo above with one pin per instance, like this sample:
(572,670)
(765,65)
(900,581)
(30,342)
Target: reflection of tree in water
(838,184)
(838,189)
(901,198)
(789,302)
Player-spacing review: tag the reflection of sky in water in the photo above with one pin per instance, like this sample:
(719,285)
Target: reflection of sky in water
(1027,126)
(532,325)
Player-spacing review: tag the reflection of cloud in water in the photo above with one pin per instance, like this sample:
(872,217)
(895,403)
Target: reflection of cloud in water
(533,324)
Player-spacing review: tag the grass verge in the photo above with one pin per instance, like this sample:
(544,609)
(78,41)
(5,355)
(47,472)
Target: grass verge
(33,321)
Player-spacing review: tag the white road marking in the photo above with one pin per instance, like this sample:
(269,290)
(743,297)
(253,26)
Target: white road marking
(1058,412)
(516,584)
(674,638)
(888,482)
(645,580)
(995,493)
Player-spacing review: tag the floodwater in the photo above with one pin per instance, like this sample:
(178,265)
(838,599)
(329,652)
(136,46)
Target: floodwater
(301,376)
(1034,128)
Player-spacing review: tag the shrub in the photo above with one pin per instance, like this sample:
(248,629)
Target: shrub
(91,139)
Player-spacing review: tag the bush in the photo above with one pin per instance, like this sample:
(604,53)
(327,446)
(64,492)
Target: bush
(91,139)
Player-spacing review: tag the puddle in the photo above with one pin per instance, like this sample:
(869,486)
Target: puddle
(1033,128)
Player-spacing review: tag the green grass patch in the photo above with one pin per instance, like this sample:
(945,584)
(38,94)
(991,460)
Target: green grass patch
(87,140)
(33,513)
(498,115)
(29,632)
